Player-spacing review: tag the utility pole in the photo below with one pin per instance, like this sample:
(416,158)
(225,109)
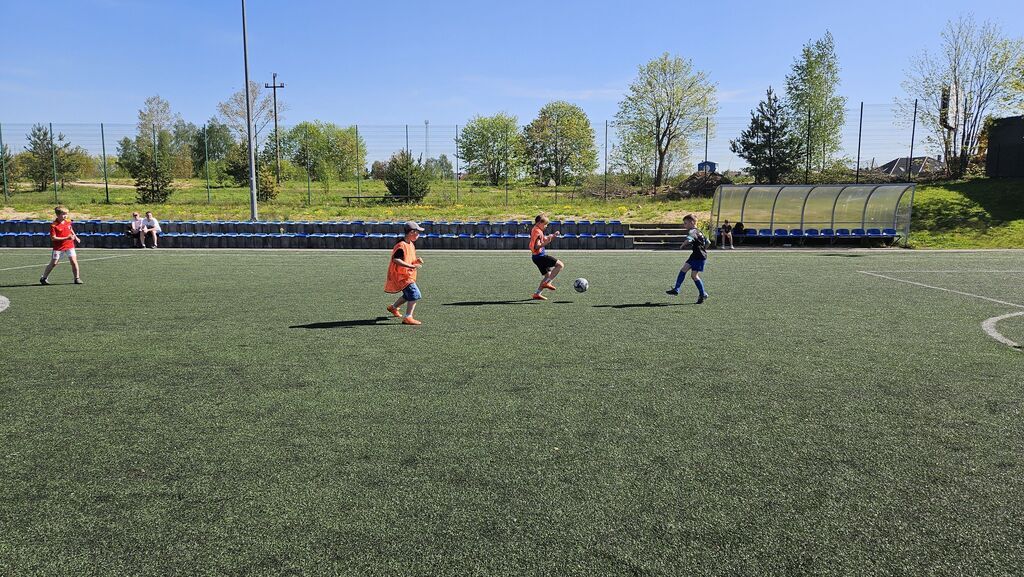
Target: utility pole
(277,140)
(253,209)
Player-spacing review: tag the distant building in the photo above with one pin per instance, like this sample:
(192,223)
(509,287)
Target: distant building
(707,166)
(922,164)
(1005,155)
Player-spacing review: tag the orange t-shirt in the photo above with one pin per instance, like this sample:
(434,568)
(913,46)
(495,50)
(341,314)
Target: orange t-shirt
(536,236)
(399,276)
(61,229)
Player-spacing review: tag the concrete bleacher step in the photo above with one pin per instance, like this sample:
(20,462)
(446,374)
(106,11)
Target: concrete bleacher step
(656,236)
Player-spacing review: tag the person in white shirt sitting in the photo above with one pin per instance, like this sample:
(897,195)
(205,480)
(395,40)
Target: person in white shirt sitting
(135,231)
(150,229)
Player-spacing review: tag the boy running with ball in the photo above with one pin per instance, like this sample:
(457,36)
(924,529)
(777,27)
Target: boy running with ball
(548,265)
(697,242)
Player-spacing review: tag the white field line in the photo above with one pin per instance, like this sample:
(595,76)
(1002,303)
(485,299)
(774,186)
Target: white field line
(957,271)
(4,303)
(43,265)
(988,325)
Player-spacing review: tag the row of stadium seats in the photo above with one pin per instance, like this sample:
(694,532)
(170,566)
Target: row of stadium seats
(324,227)
(828,233)
(322,240)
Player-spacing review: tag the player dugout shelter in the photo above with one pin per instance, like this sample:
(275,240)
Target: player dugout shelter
(833,212)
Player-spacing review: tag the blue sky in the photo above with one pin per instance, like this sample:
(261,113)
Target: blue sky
(404,62)
(397,62)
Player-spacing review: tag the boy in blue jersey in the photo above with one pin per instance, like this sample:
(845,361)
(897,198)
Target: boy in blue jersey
(698,243)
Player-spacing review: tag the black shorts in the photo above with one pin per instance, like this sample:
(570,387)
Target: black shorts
(544,262)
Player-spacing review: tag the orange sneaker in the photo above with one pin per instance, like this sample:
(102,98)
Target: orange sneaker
(548,286)
(539,297)
(394,311)
(410,321)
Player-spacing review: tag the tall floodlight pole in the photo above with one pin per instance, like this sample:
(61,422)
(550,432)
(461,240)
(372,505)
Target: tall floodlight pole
(254,211)
(277,141)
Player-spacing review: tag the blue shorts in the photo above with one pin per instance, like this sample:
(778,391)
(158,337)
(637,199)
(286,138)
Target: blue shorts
(411,292)
(696,264)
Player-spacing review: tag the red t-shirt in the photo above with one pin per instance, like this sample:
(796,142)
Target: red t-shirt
(59,229)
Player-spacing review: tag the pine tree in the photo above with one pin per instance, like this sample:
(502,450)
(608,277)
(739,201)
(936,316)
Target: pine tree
(770,145)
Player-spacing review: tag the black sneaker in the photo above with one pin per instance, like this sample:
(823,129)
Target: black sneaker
(702,298)
(42,280)
(78,281)
(672,292)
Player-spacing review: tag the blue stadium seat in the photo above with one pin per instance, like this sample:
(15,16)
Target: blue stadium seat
(750,232)
(781,232)
(874,233)
(764,232)
(827,232)
(811,232)
(858,232)
(796,232)
(842,232)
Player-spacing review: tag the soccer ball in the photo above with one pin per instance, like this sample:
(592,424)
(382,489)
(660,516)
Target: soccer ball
(581,285)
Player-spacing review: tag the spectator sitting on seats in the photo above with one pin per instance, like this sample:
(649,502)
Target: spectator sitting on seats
(150,229)
(135,231)
(727,234)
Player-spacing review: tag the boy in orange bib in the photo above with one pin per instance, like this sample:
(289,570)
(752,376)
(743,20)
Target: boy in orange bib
(402,274)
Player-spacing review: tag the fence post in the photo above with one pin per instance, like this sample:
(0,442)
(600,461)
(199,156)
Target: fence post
(103,144)
(606,160)
(53,159)
(910,161)
(707,131)
(3,163)
(309,190)
(359,169)
(156,161)
(457,169)
(206,160)
(860,132)
(807,166)
(506,170)
(408,171)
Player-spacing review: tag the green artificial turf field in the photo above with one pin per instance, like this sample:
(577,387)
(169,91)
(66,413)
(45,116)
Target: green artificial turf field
(257,413)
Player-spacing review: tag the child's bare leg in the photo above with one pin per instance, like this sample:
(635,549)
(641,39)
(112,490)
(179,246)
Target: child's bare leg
(74,265)
(49,267)
(555,270)
(410,308)
(401,301)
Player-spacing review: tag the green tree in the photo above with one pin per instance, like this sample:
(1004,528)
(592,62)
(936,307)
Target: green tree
(492,146)
(770,145)
(1013,101)
(151,163)
(156,114)
(329,151)
(406,178)
(10,166)
(232,111)
(667,104)
(236,163)
(38,163)
(974,71)
(377,169)
(213,137)
(812,87)
(266,183)
(439,168)
(560,144)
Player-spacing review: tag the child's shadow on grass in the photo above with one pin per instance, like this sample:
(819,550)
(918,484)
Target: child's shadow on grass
(505,302)
(343,324)
(24,285)
(647,305)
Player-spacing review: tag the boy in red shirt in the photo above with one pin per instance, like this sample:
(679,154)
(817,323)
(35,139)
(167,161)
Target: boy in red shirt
(63,238)
(402,274)
(548,265)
